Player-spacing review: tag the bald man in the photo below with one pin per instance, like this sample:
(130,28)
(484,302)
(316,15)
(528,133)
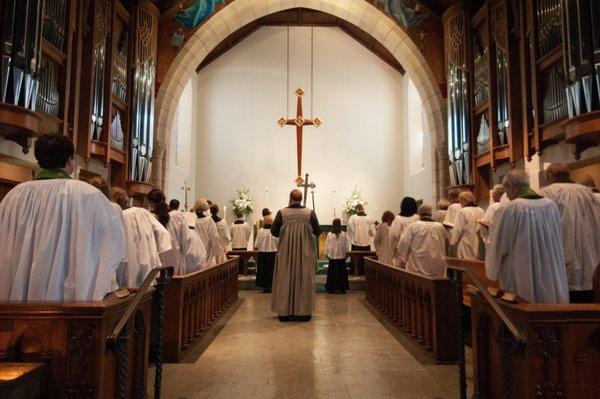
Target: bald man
(293,280)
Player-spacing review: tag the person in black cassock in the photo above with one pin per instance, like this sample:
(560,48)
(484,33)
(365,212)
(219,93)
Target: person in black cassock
(266,244)
(336,249)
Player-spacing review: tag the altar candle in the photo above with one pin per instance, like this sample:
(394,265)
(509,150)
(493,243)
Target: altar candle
(267,194)
(225,212)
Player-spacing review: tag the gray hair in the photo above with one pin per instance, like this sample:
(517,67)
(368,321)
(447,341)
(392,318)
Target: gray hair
(425,210)
(443,204)
(516,178)
(201,205)
(468,197)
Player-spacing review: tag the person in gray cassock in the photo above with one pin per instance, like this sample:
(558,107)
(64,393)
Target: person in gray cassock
(293,281)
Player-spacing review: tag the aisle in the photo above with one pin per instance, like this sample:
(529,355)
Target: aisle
(345,352)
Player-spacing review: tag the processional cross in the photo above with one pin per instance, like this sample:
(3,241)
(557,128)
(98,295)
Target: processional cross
(306,186)
(185,189)
(299,122)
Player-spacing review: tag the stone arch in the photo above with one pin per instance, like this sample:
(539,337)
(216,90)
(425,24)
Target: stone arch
(357,12)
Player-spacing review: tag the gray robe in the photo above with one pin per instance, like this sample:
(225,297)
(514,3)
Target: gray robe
(293,280)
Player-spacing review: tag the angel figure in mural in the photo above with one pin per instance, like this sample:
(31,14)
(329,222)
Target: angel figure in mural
(195,14)
(404,14)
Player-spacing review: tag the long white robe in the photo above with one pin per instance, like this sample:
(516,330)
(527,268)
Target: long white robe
(206,229)
(146,240)
(224,233)
(423,248)
(452,212)
(265,241)
(187,253)
(524,252)
(580,215)
(464,234)
(382,243)
(439,215)
(337,246)
(60,239)
(360,230)
(487,218)
(396,229)
(240,234)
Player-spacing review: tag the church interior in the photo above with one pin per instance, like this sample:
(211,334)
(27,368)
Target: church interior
(443,156)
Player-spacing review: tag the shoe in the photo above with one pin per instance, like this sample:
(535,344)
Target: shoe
(284,319)
(343,291)
(302,318)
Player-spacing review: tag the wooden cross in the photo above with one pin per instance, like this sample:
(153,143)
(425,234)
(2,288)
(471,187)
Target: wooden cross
(306,186)
(299,122)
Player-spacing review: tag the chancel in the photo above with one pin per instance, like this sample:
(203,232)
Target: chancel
(437,236)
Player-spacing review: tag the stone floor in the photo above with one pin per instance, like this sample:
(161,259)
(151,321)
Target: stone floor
(345,352)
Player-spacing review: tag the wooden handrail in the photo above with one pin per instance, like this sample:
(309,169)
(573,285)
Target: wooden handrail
(166,272)
(514,330)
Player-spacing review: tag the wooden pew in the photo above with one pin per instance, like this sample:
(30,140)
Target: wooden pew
(194,302)
(358,261)
(71,339)
(597,285)
(422,308)
(561,358)
(478,269)
(244,260)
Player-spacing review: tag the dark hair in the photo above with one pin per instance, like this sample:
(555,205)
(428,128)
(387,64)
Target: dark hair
(266,212)
(336,226)
(214,209)
(174,204)
(53,150)
(161,209)
(408,206)
(102,185)
(388,217)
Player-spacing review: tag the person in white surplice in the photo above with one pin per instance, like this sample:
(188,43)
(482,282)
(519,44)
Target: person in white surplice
(385,252)
(147,239)
(439,215)
(240,233)
(496,198)
(208,232)
(524,251)
(580,215)
(360,230)
(223,230)
(453,209)
(464,234)
(588,181)
(60,239)
(422,247)
(187,253)
(408,215)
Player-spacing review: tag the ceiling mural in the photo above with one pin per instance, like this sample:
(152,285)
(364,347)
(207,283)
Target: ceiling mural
(406,12)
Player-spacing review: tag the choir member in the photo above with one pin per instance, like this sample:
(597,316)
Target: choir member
(174,205)
(464,234)
(496,198)
(61,239)
(266,244)
(240,233)
(120,197)
(453,209)
(223,230)
(208,232)
(385,252)
(360,230)
(524,251)
(588,181)
(408,215)
(580,216)
(187,253)
(259,223)
(336,250)
(422,247)
(442,209)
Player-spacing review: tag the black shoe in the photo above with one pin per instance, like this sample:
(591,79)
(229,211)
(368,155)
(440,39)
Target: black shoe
(302,318)
(343,291)
(284,319)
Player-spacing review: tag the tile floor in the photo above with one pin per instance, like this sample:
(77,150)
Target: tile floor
(345,352)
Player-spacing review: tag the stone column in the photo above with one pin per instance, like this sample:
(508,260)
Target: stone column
(158,164)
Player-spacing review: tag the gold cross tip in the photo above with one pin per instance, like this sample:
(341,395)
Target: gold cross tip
(299,121)
(299,180)
(281,121)
(317,122)
(299,92)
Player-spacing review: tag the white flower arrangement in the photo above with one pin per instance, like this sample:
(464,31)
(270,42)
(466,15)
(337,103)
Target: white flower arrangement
(354,199)
(242,202)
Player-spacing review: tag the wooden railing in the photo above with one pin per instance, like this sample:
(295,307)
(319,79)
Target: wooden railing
(358,261)
(194,302)
(70,338)
(562,359)
(422,308)
(245,268)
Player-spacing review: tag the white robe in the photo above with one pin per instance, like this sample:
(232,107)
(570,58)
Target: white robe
(224,233)
(382,243)
(396,229)
(464,234)
(439,215)
(187,253)
(423,248)
(487,218)
(265,241)
(61,240)
(452,212)
(206,229)
(580,215)
(337,246)
(524,252)
(240,234)
(360,230)
(146,240)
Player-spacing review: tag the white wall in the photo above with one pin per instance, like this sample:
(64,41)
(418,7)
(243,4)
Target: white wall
(362,142)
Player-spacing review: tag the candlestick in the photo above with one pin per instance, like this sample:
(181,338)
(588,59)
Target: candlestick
(267,195)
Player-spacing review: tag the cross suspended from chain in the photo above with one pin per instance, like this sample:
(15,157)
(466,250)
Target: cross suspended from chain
(299,122)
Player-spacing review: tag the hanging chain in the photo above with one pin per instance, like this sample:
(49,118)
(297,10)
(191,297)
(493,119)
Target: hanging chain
(312,61)
(287,89)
